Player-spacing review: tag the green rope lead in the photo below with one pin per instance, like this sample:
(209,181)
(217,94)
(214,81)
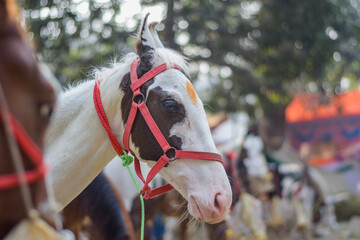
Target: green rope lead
(126,161)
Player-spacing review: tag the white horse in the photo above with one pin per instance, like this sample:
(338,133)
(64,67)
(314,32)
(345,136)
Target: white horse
(246,220)
(78,147)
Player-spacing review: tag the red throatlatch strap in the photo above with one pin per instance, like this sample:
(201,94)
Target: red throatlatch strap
(103,119)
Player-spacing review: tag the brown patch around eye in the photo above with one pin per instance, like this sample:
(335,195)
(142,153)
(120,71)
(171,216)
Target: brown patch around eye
(191,92)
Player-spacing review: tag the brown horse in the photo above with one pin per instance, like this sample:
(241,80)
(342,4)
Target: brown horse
(170,204)
(28,98)
(98,212)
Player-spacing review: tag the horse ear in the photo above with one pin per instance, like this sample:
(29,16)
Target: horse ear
(155,35)
(145,42)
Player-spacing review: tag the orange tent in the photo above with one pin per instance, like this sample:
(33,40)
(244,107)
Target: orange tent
(315,120)
(307,107)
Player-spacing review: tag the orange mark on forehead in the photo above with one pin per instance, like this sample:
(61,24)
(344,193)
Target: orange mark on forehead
(191,92)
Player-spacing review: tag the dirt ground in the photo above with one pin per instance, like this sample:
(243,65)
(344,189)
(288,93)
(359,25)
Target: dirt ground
(349,230)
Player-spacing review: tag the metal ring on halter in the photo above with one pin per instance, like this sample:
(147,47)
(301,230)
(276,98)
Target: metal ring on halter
(140,97)
(172,156)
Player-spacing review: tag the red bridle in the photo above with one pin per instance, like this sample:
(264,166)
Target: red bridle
(139,105)
(12,180)
(233,171)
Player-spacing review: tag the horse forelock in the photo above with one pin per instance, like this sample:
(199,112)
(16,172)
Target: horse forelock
(152,59)
(170,58)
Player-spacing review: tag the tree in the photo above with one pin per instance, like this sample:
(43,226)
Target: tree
(255,54)
(74,36)
(272,46)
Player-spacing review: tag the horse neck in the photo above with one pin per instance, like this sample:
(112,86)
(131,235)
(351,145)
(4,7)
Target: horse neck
(78,146)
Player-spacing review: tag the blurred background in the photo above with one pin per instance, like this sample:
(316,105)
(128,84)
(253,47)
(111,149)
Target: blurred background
(291,67)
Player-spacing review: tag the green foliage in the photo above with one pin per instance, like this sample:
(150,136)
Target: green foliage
(258,53)
(74,36)
(272,45)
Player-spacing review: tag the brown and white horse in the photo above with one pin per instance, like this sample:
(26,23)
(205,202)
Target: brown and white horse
(79,147)
(99,213)
(26,99)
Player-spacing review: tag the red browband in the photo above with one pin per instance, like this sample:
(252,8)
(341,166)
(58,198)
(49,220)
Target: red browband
(139,105)
(12,180)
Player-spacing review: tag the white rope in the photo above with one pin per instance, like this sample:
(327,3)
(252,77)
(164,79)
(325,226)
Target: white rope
(16,156)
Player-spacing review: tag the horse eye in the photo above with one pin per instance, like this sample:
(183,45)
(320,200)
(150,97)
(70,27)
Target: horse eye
(46,110)
(171,106)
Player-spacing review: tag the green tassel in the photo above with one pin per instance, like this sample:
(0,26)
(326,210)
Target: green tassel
(126,159)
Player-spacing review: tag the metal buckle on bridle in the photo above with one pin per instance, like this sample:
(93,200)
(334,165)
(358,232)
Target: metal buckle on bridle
(139,98)
(171,154)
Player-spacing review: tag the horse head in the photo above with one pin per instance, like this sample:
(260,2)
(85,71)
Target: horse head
(26,103)
(179,114)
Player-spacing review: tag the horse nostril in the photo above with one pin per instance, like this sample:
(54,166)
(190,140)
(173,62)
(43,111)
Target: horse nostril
(217,205)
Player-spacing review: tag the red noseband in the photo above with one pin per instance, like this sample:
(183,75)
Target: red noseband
(139,105)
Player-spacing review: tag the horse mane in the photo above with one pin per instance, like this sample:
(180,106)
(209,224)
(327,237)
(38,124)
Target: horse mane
(164,55)
(171,57)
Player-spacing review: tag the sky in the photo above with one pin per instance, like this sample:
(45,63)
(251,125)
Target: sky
(131,8)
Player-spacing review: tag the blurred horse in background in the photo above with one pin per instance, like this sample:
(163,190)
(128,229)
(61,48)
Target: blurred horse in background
(99,213)
(300,203)
(27,99)
(251,181)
